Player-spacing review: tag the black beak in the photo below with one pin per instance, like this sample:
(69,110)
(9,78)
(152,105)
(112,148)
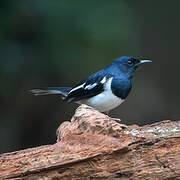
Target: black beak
(145,61)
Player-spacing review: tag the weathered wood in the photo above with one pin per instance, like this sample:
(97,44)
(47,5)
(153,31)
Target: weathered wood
(95,146)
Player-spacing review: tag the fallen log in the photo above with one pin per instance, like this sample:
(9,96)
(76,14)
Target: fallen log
(95,146)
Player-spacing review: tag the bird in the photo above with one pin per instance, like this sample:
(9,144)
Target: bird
(103,90)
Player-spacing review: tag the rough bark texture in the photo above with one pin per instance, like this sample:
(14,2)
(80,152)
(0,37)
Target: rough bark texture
(95,146)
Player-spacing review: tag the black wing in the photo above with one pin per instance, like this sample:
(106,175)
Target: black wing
(90,87)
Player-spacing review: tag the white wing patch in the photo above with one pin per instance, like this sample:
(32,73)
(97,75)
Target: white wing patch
(103,80)
(90,86)
(78,87)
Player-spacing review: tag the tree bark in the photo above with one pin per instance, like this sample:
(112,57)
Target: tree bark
(95,146)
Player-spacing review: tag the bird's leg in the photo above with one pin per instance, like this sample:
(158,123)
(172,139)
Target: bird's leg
(106,113)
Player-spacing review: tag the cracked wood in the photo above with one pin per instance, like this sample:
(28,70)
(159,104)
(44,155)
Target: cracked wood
(93,145)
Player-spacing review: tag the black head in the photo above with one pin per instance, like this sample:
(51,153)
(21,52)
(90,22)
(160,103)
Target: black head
(128,64)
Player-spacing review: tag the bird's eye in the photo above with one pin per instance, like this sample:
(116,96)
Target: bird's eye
(130,62)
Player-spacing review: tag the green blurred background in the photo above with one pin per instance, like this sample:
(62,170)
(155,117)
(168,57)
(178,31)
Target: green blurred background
(60,42)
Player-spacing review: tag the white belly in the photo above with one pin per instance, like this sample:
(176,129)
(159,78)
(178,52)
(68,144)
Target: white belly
(104,101)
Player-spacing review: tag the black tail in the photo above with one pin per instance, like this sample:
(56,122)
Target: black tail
(51,90)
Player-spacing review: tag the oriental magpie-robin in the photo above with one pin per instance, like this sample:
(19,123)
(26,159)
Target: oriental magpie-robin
(103,90)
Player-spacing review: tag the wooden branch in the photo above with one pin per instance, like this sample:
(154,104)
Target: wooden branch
(95,146)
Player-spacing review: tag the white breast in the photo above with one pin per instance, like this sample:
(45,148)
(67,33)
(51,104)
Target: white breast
(106,100)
